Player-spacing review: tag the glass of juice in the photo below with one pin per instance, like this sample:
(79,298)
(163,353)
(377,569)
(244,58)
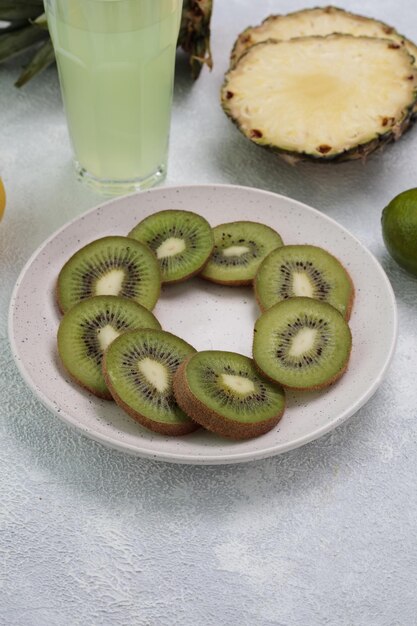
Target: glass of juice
(116,69)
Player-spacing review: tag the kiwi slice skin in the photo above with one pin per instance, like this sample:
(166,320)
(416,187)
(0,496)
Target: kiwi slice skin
(182,228)
(157,412)
(79,346)
(320,366)
(217,409)
(323,274)
(79,277)
(240,268)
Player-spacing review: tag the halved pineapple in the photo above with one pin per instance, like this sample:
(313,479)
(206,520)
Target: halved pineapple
(328,98)
(318,21)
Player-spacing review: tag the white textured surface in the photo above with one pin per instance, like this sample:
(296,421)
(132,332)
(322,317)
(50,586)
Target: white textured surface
(322,535)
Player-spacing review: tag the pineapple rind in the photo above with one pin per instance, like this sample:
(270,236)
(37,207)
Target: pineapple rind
(376,138)
(319,22)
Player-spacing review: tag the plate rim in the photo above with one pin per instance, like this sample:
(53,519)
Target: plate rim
(189,458)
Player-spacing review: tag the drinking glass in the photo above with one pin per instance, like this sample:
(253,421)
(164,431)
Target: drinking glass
(116,69)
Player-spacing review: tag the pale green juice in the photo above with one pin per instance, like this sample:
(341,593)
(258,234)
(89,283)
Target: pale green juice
(116,66)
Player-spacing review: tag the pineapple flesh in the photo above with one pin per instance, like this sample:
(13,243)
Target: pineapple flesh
(323,98)
(318,21)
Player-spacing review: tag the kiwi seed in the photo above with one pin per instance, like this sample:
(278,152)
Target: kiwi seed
(88,328)
(116,266)
(138,369)
(181,240)
(239,249)
(303,271)
(302,343)
(223,392)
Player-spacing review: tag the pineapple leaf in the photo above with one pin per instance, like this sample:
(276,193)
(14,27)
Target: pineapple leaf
(22,3)
(17,41)
(42,59)
(28,27)
(194,37)
(19,9)
(41,21)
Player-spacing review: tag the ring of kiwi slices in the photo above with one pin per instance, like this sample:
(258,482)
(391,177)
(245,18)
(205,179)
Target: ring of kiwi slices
(111,344)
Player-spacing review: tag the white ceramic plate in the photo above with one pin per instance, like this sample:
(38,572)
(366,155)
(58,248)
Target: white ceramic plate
(207,316)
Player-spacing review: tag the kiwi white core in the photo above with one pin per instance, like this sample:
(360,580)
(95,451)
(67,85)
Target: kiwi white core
(170,247)
(155,373)
(303,341)
(110,284)
(238,384)
(301,285)
(235,251)
(106,335)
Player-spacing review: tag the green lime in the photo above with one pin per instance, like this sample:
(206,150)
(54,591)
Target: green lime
(399,229)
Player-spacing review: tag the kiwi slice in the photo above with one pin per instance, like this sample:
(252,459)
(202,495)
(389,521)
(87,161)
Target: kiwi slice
(304,271)
(115,266)
(239,249)
(223,392)
(302,343)
(138,368)
(88,328)
(181,240)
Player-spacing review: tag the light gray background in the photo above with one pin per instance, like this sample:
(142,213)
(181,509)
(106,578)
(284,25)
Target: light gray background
(322,535)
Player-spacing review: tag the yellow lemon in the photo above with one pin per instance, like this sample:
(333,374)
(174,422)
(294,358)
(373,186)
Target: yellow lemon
(2,198)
